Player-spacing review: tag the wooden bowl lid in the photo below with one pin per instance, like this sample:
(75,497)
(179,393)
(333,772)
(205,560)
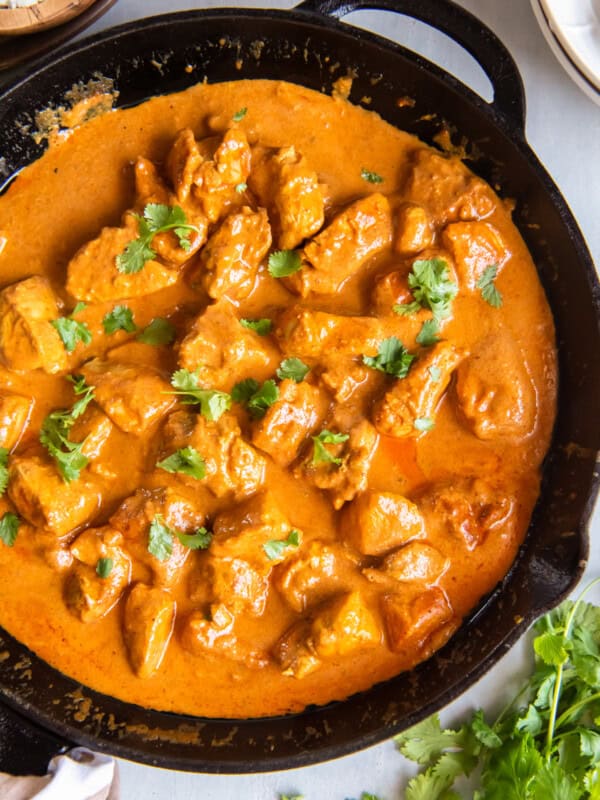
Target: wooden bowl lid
(39,17)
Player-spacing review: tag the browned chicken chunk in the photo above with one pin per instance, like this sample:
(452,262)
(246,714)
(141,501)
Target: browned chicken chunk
(410,620)
(377,522)
(413,230)
(215,636)
(415,562)
(148,619)
(15,410)
(475,246)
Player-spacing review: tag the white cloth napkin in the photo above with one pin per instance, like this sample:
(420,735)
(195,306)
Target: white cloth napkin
(80,774)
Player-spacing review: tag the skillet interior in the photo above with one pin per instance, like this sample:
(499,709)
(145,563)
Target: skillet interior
(302,49)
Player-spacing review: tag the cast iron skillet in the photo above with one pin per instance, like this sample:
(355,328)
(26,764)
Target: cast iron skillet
(150,57)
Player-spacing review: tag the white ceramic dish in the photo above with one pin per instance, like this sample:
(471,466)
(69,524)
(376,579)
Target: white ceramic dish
(572,29)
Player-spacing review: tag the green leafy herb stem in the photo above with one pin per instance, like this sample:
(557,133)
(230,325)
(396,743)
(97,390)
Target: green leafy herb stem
(392,358)
(213,403)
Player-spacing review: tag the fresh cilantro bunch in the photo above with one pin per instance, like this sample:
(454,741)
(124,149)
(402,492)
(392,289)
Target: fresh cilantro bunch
(392,358)
(545,745)
(431,287)
(54,434)
(156,218)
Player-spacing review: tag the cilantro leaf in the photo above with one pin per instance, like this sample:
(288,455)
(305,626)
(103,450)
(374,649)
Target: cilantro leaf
(321,454)
(283,263)
(119,319)
(187,460)
(213,403)
(54,434)
(292,368)
(427,335)
(275,548)
(370,177)
(160,331)
(489,292)
(156,218)
(160,538)
(3,470)
(431,287)
(257,399)
(550,647)
(240,114)
(9,528)
(71,331)
(104,567)
(393,358)
(435,373)
(260,326)
(424,424)
(195,541)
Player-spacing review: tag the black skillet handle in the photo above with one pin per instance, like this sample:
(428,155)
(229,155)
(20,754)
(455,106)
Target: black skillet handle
(26,749)
(465,29)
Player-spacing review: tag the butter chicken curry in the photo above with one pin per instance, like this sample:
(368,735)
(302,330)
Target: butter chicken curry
(277,380)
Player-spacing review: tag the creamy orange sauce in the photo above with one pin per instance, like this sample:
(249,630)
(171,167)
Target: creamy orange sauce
(505,355)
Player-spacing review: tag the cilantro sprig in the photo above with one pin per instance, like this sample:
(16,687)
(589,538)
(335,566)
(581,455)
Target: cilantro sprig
(160,331)
(71,331)
(156,218)
(283,263)
(431,287)
(275,548)
(545,744)
(292,368)
(119,319)
(370,177)
(9,528)
(257,398)
(489,292)
(54,434)
(392,358)
(321,455)
(104,567)
(213,403)
(261,326)
(3,470)
(161,536)
(187,461)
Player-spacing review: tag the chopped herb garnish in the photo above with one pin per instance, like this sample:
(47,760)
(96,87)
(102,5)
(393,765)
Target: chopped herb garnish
(240,114)
(435,373)
(9,528)
(261,326)
(160,539)
(257,399)
(275,547)
(54,434)
(283,263)
(321,454)
(292,368)
(160,331)
(71,331)
(156,218)
(370,177)
(119,319)
(431,287)
(3,470)
(489,292)
(392,358)
(104,567)
(187,461)
(212,402)
(195,541)
(427,335)
(241,187)
(424,424)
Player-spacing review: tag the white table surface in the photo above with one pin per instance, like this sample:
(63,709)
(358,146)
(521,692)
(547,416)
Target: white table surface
(563,128)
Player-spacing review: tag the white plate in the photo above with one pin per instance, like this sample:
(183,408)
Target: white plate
(572,29)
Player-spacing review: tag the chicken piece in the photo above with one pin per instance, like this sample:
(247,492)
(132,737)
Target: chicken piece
(496,396)
(93,428)
(298,411)
(377,522)
(474,247)
(149,186)
(357,234)
(413,230)
(391,289)
(230,260)
(224,352)
(27,339)
(415,562)
(416,397)
(410,621)
(344,376)
(43,498)
(148,620)
(305,333)
(244,530)
(238,586)
(93,276)
(342,626)
(215,181)
(88,595)
(134,397)
(316,573)
(183,160)
(15,410)
(286,185)
(202,636)
(467,509)
(447,189)
(346,479)
(232,465)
